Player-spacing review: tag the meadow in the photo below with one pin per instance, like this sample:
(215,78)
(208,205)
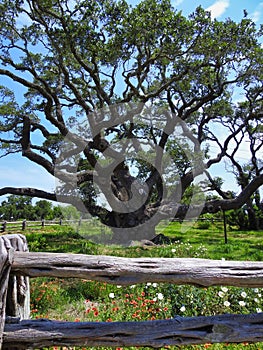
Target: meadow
(83,300)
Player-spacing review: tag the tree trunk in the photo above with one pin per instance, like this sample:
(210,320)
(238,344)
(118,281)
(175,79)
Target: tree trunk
(130,219)
(124,236)
(134,226)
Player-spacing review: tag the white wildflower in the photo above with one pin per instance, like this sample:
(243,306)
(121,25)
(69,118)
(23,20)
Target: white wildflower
(242,303)
(160,296)
(182,308)
(226,303)
(111,295)
(221,294)
(258,310)
(224,289)
(244,294)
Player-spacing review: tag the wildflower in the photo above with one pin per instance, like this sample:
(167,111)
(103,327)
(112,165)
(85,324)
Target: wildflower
(182,308)
(259,295)
(148,284)
(143,294)
(119,286)
(221,294)
(242,303)
(133,286)
(111,295)
(154,285)
(256,300)
(160,296)
(173,250)
(226,303)
(244,294)
(258,310)
(256,290)
(224,289)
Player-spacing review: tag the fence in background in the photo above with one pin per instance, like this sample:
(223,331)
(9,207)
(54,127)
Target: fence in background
(11,226)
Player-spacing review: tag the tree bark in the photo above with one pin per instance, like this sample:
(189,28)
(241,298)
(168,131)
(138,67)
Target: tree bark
(177,331)
(6,258)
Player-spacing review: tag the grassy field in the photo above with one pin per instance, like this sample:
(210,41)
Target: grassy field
(82,300)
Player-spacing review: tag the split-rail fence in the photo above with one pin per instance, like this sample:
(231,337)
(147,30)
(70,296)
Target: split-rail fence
(18,331)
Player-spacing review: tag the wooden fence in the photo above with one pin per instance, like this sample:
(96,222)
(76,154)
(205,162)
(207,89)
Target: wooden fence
(11,226)
(17,332)
(14,226)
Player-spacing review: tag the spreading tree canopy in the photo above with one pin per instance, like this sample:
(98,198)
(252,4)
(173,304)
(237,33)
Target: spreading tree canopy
(129,105)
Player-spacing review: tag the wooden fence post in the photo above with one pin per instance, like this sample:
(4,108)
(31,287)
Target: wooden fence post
(23,225)
(6,258)
(3,228)
(18,295)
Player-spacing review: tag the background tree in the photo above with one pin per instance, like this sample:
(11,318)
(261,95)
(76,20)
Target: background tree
(21,207)
(17,207)
(82,63)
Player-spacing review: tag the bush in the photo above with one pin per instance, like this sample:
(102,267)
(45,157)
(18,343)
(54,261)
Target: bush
(203,224)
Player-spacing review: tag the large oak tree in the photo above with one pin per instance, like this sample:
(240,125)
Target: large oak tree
(113,94)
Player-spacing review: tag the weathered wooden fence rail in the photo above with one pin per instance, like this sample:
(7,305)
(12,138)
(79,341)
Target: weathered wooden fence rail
(36,334)
(125,271)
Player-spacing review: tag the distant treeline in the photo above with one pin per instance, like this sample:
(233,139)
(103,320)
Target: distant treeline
(21,207)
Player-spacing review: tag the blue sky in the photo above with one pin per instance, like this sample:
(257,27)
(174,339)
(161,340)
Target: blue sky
(19,172)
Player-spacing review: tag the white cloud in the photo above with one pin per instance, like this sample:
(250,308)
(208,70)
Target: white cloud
(255,16)
(177,2)
(218,8)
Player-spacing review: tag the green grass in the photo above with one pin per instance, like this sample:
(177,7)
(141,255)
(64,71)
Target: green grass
(81,300)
